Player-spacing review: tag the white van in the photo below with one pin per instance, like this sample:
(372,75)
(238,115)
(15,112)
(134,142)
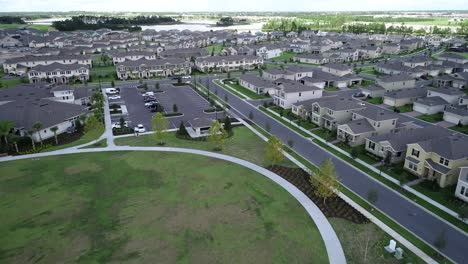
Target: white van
(148,94)
(111,91)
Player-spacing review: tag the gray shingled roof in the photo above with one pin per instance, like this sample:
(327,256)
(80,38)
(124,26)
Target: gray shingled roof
(432,101)
(461,111)
(28,112)
(453,147)
(360,126)
(395,78)
(143,61)
(400,139)
(297,87)
(256,81)
(377,115)
(447,90)
(58,67)
(407,93)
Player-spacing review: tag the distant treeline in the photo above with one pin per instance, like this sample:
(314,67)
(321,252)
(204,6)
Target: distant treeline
(337,23)
(114,23)
(11,20)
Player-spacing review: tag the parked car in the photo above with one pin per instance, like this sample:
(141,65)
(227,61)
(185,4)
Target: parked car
(140,128)
(114,97)
(117,125)
(150,103)
(358,95)
(186,77)
(149,99)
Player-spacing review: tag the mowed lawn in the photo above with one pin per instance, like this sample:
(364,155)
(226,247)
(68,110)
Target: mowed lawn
(244,144)
(149,207)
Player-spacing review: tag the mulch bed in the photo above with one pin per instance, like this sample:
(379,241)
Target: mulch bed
(333,207)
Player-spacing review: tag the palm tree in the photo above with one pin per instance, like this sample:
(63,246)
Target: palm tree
(29,133)
(14,139)
(37,127)
(54,130)
(5,128)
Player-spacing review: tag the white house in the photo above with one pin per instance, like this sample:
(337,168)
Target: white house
(59,73)
(292,92)
(461,190)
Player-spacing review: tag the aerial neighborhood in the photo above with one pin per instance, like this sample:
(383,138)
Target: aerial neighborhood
(389,110)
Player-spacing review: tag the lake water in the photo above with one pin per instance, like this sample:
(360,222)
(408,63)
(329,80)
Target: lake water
(206,25)
(194,25)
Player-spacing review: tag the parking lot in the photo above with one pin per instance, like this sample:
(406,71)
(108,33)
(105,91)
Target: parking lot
(188,102)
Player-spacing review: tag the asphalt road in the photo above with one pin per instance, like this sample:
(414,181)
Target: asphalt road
(416,219)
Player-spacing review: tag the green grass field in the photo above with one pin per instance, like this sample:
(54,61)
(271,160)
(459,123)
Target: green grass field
(404,108)
(144,207)
(247,92)
(287,55)
(244,144)
(432,118)
(38,27)
(462,129)
(217,48)
(86,138)
(6,83)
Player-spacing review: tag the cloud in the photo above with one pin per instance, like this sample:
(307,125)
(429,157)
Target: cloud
(228,5)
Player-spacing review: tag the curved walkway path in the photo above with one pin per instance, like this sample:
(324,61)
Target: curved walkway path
(331,241)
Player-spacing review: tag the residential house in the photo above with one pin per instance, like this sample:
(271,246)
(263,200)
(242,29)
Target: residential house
(449,94)
(396,82)
(404,97)
(23,64)
(456,115)
(395,143)
(461,191)
(118,57)
(144,68)
(257,85)
(337,69)
(228,63)
(330,112)
(430,105)
(311,58)
(453,57)
(59,73)
(438,159)
(288,93)
(367,122)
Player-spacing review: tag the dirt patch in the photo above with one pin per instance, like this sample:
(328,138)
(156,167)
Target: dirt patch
(333,207)
(80,168)
(203,219)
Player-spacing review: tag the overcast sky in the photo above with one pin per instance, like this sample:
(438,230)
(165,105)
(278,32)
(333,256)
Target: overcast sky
(229,5)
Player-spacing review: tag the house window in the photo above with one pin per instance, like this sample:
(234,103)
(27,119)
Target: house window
(372,145)
(300,94)
(462,190)
(412,166)
(393,122)
(444,161)
(415,153)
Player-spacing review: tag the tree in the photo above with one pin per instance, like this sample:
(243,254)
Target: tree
(29,133)
(216,135)
(5,127)
(325,181)
(54,130)
(273,150)
(15,139)
(159,123)
(354,153)
(91,124)
(112,83)
(182,130)
(229,75)
(157,86)
(179,79)
(175,109)
(227,124)
(37,127)
(387,159)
